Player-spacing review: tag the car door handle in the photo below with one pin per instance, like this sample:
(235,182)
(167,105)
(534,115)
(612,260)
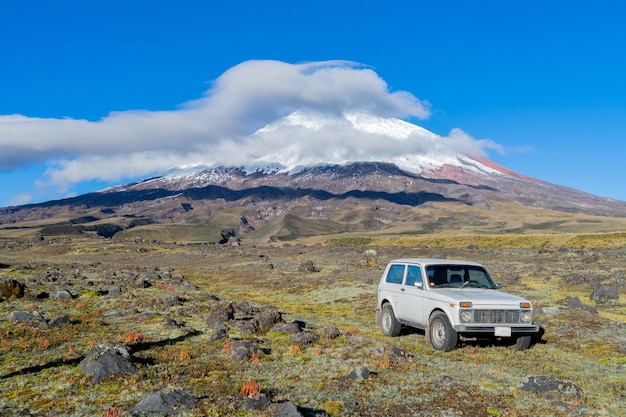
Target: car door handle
(401,289)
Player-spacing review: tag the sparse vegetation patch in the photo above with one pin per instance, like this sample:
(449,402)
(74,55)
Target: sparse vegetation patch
(108,327)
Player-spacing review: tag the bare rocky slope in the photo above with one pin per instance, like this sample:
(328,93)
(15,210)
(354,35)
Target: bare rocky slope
(357,197)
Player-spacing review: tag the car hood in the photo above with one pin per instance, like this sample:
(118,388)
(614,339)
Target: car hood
(478,297)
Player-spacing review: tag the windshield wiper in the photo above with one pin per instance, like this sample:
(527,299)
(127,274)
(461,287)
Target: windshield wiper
(473,284)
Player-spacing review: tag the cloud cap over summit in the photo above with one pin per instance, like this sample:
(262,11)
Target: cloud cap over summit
(218,128)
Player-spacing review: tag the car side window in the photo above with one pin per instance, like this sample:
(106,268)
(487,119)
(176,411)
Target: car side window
(414,275)
(395,274)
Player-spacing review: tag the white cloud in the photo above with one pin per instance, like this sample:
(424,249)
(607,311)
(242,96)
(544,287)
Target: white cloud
(216,129)
(464,143)
(20,199)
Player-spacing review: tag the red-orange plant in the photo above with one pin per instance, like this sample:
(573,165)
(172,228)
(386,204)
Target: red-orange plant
(228,345)
(113,412)
(250,388)
(184,355)
(352,330)
(133,337)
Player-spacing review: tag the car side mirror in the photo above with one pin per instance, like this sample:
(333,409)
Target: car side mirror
(419,285)
(498,286)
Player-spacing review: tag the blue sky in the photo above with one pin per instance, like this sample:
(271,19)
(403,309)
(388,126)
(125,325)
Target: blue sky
(96,93)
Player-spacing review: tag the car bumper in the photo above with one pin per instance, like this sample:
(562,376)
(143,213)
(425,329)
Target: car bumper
(534,328)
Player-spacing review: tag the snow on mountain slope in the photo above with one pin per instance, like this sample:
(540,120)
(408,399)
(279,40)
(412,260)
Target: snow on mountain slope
(364,152)
(306,139)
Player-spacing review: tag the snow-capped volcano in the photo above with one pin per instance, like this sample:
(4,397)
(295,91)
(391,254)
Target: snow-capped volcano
(359,151)
(310,173)
(305,139)
(311,138)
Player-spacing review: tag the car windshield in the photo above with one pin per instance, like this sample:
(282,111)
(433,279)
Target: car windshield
(459,276)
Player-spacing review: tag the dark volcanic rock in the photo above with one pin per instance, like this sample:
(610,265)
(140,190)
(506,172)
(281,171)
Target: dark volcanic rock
(359,373)
(307,267)
(604,294)
(267,318)
(59,320)
(62,294)
(304,338)
(257,402)
(575,302)
(240,350)
(166,401)
(287,327)
(33,318)
(219,335)
(288,409)
(547,385)
(102,361)
(221,312)
(394,353)
(331,332)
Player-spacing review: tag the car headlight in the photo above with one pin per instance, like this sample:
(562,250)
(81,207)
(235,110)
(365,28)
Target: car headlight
(467,316)
(526,316)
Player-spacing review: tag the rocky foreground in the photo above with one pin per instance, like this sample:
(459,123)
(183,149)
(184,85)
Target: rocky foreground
(95,327)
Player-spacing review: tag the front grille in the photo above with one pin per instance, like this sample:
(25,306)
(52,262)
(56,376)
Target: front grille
(496,316)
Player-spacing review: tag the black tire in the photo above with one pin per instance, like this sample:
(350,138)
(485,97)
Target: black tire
(441,334)
(522,342)
(389,325)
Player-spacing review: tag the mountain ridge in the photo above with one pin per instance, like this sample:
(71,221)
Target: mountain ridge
(411,189)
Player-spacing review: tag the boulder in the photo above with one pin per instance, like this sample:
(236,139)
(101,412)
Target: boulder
(331,332)
(267,318)
(32,318)
(103,361)
(575,302)
(604,295)
(240,350)
(62,294)
(59,320)
(359,373)
(288,409)
(219,335)
(167,401)
(257,402)
(370,258)
(11,288)
(307,267)
(221,312)
(394,353)
(547,385)
(247,327)
(293,327)
(304,338)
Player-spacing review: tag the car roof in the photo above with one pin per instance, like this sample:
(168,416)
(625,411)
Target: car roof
(434,261)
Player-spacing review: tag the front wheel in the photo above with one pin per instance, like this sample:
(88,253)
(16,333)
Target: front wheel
(389,325)
(441,334)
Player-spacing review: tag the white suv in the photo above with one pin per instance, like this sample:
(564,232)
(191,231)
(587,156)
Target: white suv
(448,299)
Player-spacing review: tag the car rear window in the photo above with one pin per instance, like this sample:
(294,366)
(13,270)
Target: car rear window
(395,274)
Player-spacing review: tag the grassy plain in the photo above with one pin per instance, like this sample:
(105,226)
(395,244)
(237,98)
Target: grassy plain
(40,373)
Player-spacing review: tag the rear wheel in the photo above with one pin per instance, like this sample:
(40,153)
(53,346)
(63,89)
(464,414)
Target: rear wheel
(441,334)
(389,325)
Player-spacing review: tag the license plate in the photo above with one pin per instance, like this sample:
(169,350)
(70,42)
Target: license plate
(503,332)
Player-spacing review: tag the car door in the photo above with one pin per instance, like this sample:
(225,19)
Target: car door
(392,286)
(411,298)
